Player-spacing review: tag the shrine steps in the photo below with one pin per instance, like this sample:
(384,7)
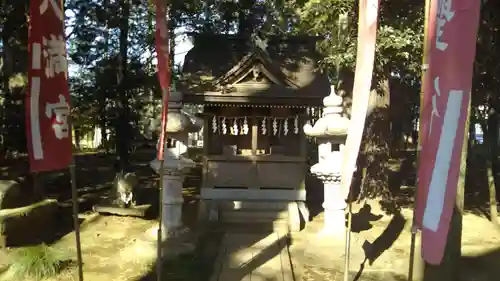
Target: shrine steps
(263,215)
(255,220)
(256,241)
(254,257)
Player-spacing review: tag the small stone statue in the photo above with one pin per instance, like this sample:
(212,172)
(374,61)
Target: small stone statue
(125,189)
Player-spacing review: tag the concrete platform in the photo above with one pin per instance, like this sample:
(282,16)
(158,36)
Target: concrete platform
(255,257)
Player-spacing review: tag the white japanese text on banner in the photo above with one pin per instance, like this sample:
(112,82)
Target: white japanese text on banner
(48,125)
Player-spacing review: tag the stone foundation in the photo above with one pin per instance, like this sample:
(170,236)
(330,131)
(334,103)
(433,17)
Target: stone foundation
(27,225)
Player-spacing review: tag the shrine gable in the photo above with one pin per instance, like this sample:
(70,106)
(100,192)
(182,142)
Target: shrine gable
(226,68)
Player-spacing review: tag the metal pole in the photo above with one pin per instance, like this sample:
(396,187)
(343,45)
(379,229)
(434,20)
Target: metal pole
(425,54)
(159,259)
(348,238)
(163,137)
(163,133)
(76,222)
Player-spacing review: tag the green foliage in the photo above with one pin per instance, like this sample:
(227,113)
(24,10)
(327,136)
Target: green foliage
(399,37)
(36,262)
(101,98)
(335,21)
(13,65)
(115,83)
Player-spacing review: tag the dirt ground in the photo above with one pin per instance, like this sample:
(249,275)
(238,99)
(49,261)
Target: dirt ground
(119,248)
(385,242)
(113,248)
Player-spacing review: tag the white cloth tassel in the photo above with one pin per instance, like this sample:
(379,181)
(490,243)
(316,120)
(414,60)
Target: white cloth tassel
(296,125)
(235,127)
(224,126)
(263,126)
(275,126)
(285,127)
(214,125)
(245,126)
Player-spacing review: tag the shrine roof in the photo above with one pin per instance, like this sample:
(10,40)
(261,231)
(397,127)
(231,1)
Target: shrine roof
(275,70)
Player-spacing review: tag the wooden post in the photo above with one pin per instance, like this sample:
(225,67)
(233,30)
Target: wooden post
(255,134)
(425,56)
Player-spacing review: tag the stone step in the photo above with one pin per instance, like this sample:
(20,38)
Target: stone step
(254,205)
(252,256)
(281,226)
(253,215)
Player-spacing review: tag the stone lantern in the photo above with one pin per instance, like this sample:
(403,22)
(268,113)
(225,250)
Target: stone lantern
(330,132)
(179,125)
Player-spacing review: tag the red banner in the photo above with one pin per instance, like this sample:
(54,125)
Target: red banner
(163,61)
(47,102)
(365,56)
(452,34)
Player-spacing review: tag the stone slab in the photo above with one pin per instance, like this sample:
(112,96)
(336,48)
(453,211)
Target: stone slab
(256,257)
(134,211)
(252,194)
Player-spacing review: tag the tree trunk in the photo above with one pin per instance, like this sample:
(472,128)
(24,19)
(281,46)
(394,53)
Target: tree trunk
(6,74)
(103,96)
(472,132)
(78,137)
(490,143)
(493,196)
(491,140)
(122,129)
(171,33)
(376,142)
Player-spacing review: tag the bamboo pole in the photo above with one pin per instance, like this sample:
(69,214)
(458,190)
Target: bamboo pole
(425,55)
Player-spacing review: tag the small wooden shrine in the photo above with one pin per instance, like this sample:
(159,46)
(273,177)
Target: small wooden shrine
(255,94)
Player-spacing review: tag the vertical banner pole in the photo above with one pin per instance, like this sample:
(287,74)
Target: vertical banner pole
(348,238)
(76,222)
(162,45)
(365,57)
(425,53)
(163,137)
(159,253)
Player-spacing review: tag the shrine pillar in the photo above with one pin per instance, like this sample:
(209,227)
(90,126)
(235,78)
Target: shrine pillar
(330,132)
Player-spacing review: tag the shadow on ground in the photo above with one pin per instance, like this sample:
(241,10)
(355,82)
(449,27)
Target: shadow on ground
(361,221)
(194,266)
(382,243)
(481,267)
